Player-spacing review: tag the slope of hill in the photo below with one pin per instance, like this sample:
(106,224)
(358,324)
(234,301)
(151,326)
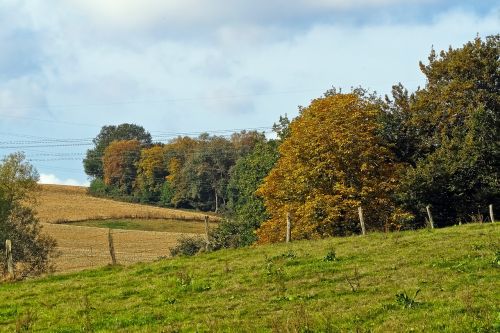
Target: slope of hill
(444,280)
(58,203)
(153,230)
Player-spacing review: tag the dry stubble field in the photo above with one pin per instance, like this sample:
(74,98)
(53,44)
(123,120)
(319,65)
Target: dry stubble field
(83,247)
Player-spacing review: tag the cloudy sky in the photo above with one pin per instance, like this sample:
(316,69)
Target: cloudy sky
(68,67)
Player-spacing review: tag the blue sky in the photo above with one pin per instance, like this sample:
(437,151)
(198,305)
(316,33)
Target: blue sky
(68,67)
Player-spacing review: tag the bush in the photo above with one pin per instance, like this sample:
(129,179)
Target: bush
(31,251)
(232,234)
(188,246)
(167,193)
(97,187)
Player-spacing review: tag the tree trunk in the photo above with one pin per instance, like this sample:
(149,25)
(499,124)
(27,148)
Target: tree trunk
(216,202)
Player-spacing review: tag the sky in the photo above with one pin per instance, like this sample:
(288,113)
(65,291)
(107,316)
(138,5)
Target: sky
(69,67)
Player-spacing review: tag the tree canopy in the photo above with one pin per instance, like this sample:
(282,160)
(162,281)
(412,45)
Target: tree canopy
(332,162)
(32,251)
(455,125)
(93,161)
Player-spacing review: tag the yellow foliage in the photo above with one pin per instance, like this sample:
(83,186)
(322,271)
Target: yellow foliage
(331,163)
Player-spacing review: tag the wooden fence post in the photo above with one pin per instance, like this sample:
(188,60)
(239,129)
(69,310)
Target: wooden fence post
(206,233)
(361,220)
(111,247)
(8,256)
(431,221)
(288,228)
(492,217)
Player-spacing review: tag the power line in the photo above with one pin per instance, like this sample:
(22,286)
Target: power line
(158,101)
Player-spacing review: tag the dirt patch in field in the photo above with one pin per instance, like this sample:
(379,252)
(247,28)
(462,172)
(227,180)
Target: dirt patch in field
(87,247)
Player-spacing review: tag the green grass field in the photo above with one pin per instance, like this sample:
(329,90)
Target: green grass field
(162,225)
(356,284)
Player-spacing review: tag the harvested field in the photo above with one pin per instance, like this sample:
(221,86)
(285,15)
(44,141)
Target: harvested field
(59,204)
(87,247)
(80,222)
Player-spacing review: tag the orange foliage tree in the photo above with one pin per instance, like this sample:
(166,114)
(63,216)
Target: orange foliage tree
(332,162)
(120,164)
(151,173)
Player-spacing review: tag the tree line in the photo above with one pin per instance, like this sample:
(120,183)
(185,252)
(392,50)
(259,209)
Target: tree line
(391,155)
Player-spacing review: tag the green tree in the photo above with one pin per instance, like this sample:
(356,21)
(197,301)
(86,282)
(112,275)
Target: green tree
(456,119)
(203,178)
(245,210)
(32,251)
(92,163)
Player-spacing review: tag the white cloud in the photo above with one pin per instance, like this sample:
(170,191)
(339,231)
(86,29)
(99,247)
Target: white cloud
(186,14)
(53,179)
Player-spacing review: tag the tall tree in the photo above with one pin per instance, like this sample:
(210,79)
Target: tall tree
(332,162)
(245,210)
(32,251)
(93,161)
(151,173)
(120,164)
(456,119)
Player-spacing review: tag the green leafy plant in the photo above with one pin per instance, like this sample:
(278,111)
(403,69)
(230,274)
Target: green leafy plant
(331,255)
(276,274)
(406,301)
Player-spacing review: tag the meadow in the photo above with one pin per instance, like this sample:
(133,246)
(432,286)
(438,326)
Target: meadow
(442,280)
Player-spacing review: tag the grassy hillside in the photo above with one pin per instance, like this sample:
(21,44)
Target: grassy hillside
(58,203)
(338,284)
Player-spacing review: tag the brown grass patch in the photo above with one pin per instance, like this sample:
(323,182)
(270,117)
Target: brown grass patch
(59,204)
(87,247)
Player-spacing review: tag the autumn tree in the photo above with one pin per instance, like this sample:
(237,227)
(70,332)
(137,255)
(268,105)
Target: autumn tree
(244,141)
(120,164)
(332,162)
(175,189)
(93,161)
(32,251)
(151,173)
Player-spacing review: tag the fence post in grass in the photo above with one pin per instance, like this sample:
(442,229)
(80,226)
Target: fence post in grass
(492,217)
(288,228)
(361,220)
(8,256)
(431,221)
(206,233)
(111,247)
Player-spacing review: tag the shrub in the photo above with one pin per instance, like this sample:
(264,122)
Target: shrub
(232,234)
(188,246)
(97,187)
(31,250)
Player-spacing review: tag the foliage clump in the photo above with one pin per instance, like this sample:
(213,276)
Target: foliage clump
(188,246)
(332,162)
(32,251)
